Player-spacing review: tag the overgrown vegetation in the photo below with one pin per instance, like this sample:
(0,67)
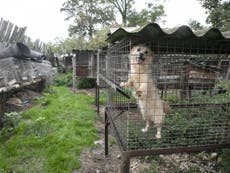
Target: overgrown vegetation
(225,161)
(86,83)
(10,121)
(64,79)
(50,136)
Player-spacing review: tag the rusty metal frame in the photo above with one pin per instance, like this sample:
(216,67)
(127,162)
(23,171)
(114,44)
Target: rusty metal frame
(128,154)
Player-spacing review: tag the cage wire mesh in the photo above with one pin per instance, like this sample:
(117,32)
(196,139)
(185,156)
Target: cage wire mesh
(101,67)
(85,63)
(194,82)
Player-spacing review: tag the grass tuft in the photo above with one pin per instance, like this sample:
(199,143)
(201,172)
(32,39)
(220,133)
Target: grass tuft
(51,135)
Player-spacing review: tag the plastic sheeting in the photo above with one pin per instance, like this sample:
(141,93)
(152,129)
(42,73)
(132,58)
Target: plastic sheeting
(15,71)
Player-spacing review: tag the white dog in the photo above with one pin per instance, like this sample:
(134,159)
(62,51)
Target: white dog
(141,82)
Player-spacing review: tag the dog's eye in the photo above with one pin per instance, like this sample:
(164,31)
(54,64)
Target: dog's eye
(146,52)
(138,49)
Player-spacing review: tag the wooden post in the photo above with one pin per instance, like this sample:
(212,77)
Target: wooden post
(2,108)
(92,65)
(74,57)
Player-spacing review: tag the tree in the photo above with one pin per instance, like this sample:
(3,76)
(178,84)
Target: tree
(218,13)
(124,7)
(65,46)
(152,13)
(98,40)
(195,25)
(87,14)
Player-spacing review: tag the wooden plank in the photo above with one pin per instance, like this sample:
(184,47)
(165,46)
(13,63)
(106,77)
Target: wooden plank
(14,34)
(3,30)
(8,32)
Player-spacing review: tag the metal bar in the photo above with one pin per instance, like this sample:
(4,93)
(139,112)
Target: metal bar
(114,86)
(117,136)
(187,149)
(199,105)
(74,57)
(98,66)
(97,101)
(106,134)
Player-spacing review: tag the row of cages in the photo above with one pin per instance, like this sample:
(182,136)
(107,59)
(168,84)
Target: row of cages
(165,96)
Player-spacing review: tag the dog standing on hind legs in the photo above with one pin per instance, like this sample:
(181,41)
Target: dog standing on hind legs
(141,82)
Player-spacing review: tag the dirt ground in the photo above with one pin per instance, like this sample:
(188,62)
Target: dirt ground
(21,100)
(95,161)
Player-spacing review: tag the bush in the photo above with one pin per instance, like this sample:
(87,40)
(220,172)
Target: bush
(225,161)
(65,79)
(10,121)
(86,83)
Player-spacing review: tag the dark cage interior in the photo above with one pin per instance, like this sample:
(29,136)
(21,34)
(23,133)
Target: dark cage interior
(85,63)
(191,75)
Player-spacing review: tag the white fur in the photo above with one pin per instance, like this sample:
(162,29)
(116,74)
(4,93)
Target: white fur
(141,81)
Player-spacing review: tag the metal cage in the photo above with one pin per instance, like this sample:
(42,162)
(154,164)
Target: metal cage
(192,76)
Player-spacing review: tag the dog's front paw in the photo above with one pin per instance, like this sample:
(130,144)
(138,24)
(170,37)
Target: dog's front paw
(138,93)
(144,130)
(158,135)
(123,84)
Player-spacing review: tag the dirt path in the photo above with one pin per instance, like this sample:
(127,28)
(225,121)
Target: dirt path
(95,161)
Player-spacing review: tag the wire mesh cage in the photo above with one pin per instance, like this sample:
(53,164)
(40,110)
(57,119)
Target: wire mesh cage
(85,63)
(101,67)
(167,94)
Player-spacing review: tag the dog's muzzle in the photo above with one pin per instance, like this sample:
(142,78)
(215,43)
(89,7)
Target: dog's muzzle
(140,58)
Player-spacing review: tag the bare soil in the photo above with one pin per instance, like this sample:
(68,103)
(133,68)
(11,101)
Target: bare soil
(95,161)
(21,100)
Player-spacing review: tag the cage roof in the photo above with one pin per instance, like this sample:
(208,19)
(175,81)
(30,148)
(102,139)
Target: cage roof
(82,51)
(212,39)
(154,31)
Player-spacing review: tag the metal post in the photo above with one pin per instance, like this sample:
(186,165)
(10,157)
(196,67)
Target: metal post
(98,99)
(98,82)
(125,164)
(74,71)
(98,66)
(106,134)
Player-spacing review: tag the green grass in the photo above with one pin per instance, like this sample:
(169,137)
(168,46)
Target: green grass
(51,135)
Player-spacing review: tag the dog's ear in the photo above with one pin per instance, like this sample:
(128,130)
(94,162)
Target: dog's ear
(151,53)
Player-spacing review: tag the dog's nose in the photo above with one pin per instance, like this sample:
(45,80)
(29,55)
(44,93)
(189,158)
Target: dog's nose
(141,55)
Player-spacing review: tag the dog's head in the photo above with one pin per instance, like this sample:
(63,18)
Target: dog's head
(141,54)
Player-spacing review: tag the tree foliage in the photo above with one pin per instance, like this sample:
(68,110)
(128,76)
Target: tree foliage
(218,13)
(92,18)
(64,46)
(87,15)
(124,7)
(195,25)
(152,13)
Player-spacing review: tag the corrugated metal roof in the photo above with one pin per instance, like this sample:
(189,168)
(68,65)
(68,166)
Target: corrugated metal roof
(128,29)
(154,31)
(176,40)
